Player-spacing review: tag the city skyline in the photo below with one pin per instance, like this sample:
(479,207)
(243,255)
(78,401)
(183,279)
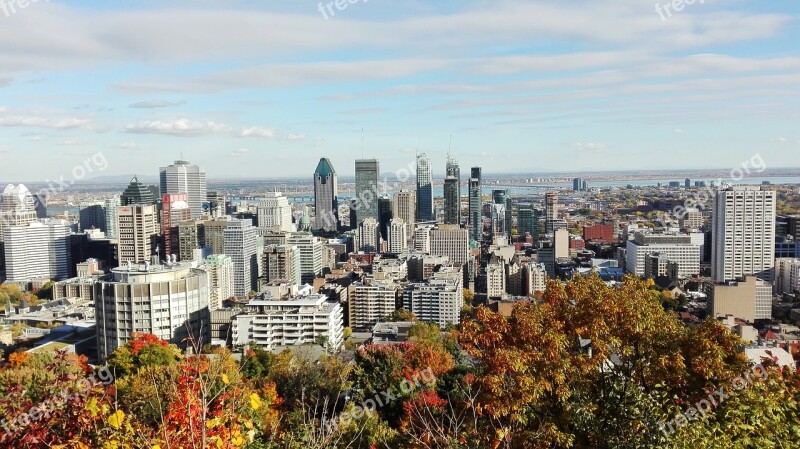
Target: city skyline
(517,84)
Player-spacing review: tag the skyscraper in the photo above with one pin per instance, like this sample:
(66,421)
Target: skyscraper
(386,214)
(92,215)
(17,207)
(182,177)
(39,250)
(424,188)
(551,210)
(326,197)
(398,236)
(452,192)
(274,214)
(451,241)
(476,204)
(220,279)
(138,232)
(404,205)
(368,237)
(367,172)
(112,220)
(240,244)
(743,233)
(174,209)
(137,193)
(310,248)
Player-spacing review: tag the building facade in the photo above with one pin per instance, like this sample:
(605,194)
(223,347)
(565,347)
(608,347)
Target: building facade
(183,177)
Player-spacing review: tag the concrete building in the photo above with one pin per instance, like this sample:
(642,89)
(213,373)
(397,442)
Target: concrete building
(424,188)
(451,241)
(240,244)
(439,300)
(191,237)
(499,220)
(310,248)
(368,237)
(787,276)
(422,266)
(137,193)
(551,208)
(174,209)
(169,301)
(398,236)
(183,177)
(692,219)
(274,214)
(476,204)
(112,217)
(366,194)
(40,250)
(277,323)
(92,215)
(677,248)
(404,207)
(138,232)
(17,208)
(496,277)
(748,299)
(326,197)
(214,231)
(371,302)
(281,262)
(422,238)
(743,233)
(221,279)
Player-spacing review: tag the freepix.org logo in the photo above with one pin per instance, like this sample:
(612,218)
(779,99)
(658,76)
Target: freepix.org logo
(10,7)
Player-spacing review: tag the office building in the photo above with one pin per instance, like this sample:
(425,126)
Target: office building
(386,214)
(368,237)
(39,250)
(743,224)
(748,299)
(676,248)
(169,301)
(174,210)
(112,219)
(476,204)
(404,207)
(495,277)
(138,232)
(191,238)
(692,219)
(17,208)
(367,173)
(528,222)
(310,248)
(424,188)
(451,241)
(499,220)
(92,215)
(216,205)
(240,243)
(551,208)
(183,177)
(452,193)
(422,238)
(282,263)
(221,279)
(326,197)
(273,323)
(215,234)
(439,300)
(274,214)
(137,193)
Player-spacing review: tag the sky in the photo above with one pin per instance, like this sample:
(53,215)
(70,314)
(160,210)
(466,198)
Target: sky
(263,89)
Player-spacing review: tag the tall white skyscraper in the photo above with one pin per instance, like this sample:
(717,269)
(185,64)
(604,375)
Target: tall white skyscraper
(367,173)
(274,214)
(326,196)
(221,279)
(240,244)
(17,207)
(424,188)
(182,177)
(743,226)
(39,250)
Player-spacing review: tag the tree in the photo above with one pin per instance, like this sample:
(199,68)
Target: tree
(401,314)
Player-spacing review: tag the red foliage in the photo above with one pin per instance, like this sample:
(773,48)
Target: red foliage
(141,340)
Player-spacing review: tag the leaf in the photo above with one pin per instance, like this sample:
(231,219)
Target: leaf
(225,379)
(255,401)
(117,419)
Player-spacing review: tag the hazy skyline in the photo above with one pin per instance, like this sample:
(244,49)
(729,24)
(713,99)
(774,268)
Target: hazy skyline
(256,91)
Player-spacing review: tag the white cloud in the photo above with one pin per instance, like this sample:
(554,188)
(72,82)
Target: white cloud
(43,122)
(128,146)
(295,137)
(257,131)
(589,147)
(679,131)
(240,152)
(180,127)
(155,104)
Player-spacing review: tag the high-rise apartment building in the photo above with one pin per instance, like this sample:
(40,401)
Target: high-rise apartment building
(274,214)
(452,192)
(282,263)
(476,204)
(39,250)
(221,279)
(743,233)
(170,302)
(424,188)
(398,236)
(326,197)
(439,300)
(138,232)
(367,173)
(371,302)
(451,241)
(240,244)
(183,177)
(676,248)
(787,276)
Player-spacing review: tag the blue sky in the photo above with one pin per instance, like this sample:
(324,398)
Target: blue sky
(265,88)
